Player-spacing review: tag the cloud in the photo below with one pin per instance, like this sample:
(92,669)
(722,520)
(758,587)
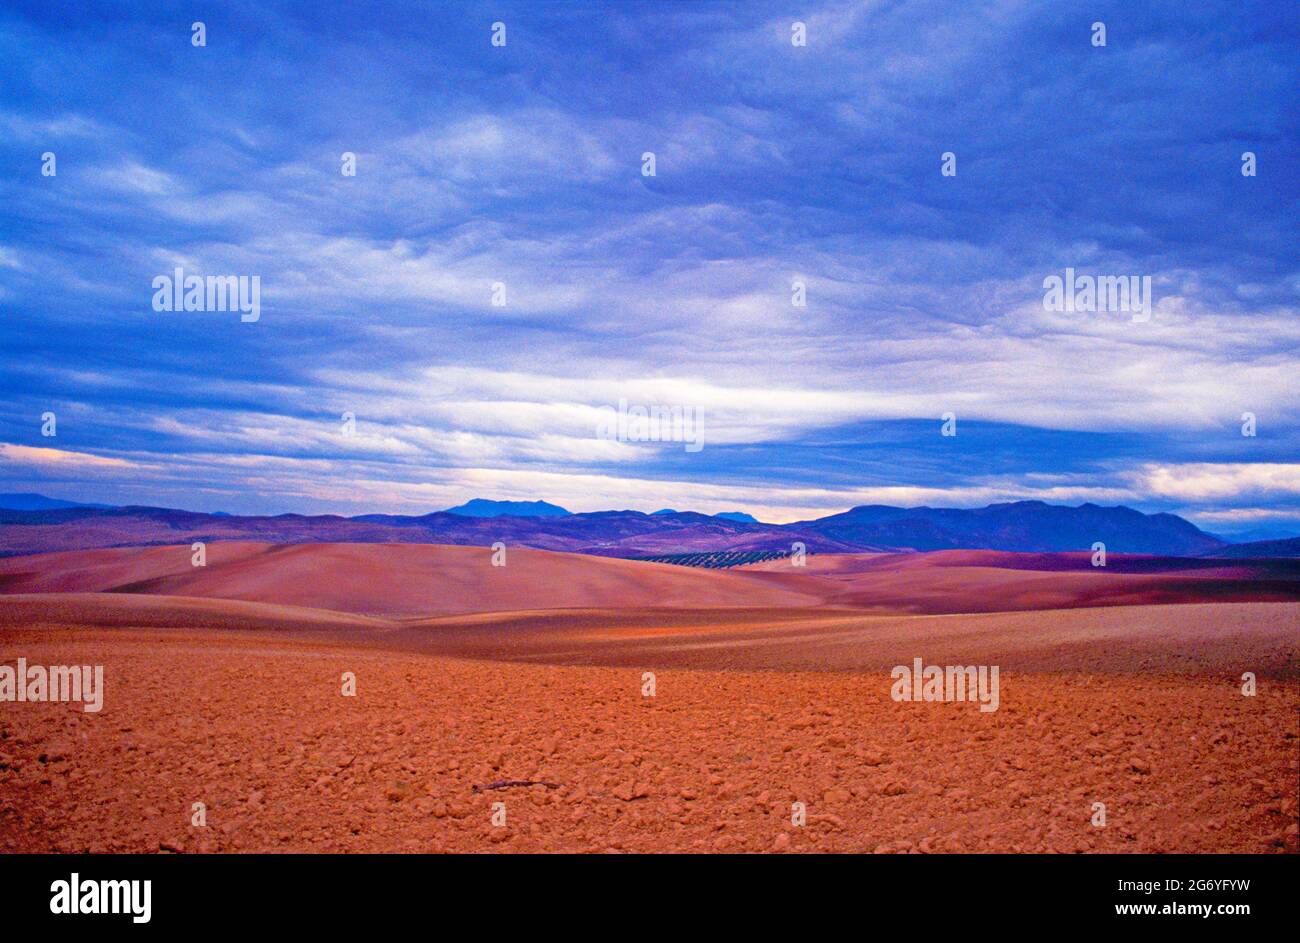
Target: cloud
(774,163)
(57,458)
(1247,515)
(1218,481)
(136,178)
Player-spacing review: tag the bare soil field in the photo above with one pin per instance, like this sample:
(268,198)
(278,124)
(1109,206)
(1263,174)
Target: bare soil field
(995,581)
(760,703)
(408,580)
(256,728)
(394,579)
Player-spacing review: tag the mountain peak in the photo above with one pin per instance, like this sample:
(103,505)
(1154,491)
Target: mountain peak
(482,507)
(30,501)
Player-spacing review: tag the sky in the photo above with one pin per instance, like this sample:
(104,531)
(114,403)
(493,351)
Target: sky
(517,173)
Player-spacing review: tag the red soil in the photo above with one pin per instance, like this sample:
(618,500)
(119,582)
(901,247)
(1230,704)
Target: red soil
(391,579)
(426,580)
(255,728)
(770,691)
(994,581)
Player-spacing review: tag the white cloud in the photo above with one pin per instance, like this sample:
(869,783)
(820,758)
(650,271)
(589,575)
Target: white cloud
(58,458)
(1210,481)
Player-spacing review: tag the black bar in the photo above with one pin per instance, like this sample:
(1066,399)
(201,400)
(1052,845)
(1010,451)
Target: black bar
(300,892)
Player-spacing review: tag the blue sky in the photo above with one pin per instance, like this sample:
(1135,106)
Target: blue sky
(522,164)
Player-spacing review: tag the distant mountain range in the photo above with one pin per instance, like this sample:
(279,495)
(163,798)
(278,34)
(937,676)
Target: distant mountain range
(740,516)
(1020,526)
(1024,526)
(1259,549)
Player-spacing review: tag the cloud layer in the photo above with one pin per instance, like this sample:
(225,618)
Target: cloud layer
(521,167)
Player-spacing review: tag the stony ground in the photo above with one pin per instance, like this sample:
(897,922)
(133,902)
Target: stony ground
(255,727)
